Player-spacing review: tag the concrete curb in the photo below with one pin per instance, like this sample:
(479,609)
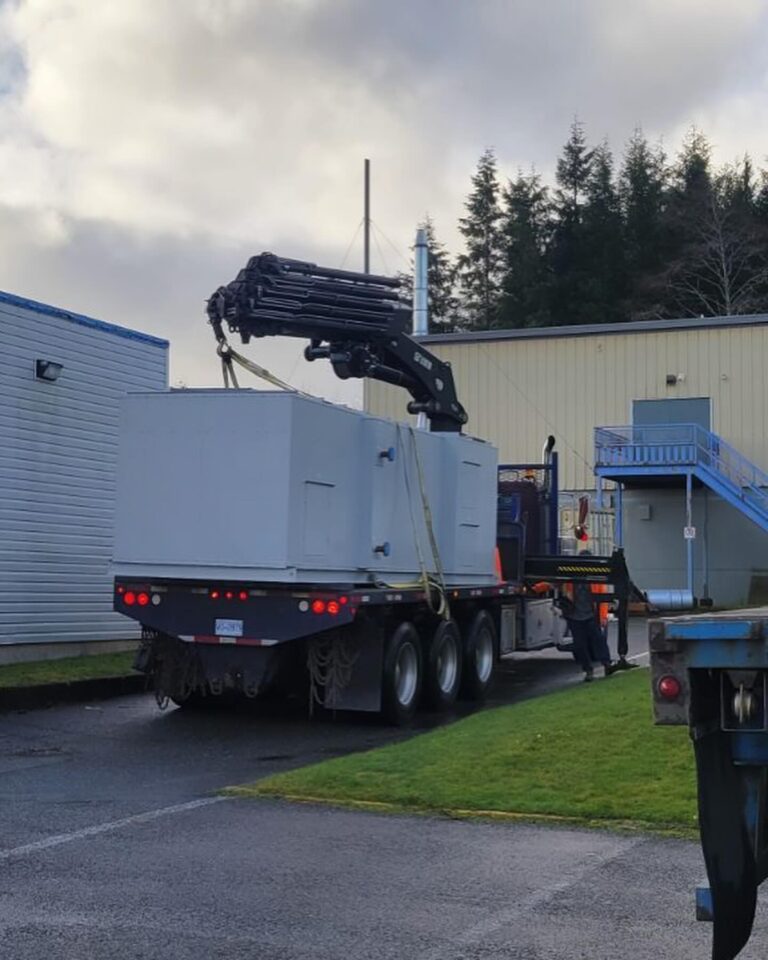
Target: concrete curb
(74,691)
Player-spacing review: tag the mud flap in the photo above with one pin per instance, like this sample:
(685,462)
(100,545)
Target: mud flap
(725,843)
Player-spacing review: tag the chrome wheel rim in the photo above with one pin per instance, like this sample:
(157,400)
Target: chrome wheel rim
(406,674)
(447,665)
(484,655)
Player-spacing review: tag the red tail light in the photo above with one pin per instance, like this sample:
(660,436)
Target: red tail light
(333,607)
(318,606)
(215,594)
(142,599)
(129,598)
(228,595)
(243,595)
(670,688)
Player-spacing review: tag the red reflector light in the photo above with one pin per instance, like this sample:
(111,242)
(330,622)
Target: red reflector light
(214,594)
(243,594)
(343,600)
(121,589)
(228,595)
(318,606)
(670,688)
(333,607)
(143,599)
(130,598)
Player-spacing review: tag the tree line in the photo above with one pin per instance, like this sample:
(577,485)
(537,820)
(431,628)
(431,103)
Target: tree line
(655,238)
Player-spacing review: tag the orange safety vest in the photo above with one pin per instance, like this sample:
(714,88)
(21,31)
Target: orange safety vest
(603,609)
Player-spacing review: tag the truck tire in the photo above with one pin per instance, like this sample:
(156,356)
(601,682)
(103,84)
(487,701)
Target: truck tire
(401,675)
(197,700)
(443,669)
(480,645)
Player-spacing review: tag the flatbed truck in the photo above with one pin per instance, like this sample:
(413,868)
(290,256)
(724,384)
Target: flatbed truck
(302,601)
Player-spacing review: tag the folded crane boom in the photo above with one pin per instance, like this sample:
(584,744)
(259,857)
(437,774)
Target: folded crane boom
(357,321)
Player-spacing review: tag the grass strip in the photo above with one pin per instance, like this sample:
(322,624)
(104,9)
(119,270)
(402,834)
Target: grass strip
(66,670)
(589,754)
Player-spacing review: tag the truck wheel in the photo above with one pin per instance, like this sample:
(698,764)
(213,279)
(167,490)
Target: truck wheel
(401,675)
(196,700)
(443,673)
(479,656)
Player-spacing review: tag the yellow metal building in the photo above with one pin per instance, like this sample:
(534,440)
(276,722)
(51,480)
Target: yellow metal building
(518,386)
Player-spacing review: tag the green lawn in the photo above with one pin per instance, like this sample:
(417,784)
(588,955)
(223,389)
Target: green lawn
(63,671)
(589,753)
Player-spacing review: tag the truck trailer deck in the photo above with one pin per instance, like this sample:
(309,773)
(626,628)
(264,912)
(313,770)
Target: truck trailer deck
(710,672)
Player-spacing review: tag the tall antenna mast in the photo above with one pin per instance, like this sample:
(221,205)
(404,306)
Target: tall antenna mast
(367,216)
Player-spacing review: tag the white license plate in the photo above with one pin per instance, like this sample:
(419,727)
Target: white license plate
(229,628)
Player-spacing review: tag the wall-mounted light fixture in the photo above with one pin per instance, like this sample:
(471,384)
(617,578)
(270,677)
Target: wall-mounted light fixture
(48,370)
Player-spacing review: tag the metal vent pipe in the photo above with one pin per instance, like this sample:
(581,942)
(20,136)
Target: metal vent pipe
(420,284)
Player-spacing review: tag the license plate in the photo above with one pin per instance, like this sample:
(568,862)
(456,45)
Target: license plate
(229,628)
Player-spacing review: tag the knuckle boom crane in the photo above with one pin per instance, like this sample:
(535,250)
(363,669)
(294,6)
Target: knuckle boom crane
(357,321)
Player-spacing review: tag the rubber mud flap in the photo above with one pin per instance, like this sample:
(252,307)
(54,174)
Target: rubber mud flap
(725,844)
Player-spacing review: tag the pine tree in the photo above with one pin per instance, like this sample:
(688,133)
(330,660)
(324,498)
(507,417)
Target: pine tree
(526,276)
(573,169)
(688,202)
(569,299)
(479,267)
(641,190)
(603,241)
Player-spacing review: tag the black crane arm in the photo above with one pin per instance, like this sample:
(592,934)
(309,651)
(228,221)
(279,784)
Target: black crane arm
(355,320)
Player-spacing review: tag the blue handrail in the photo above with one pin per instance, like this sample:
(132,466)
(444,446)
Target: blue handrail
(680,444)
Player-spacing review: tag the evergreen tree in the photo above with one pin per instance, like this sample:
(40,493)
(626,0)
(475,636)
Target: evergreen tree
(603,242)
(479,267)
(688,205)
(573,169)
(526,277)
(693,167)
(642,185)
(569,296)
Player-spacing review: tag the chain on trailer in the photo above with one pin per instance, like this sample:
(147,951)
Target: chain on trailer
(175,667)
(330,660)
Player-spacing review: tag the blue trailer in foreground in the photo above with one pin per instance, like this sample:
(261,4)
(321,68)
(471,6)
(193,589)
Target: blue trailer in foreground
(711,672)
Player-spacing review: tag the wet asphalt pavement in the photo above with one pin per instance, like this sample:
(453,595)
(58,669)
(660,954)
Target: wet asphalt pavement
(113,844)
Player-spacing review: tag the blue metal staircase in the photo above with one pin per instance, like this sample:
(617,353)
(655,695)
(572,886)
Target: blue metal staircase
(664,450)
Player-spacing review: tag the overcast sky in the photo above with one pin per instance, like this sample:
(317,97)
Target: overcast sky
(149,147)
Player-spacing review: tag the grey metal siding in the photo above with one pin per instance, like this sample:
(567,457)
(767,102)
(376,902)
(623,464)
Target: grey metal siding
(58,448)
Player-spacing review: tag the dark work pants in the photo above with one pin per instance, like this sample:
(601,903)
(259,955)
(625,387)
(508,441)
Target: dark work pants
(589,643)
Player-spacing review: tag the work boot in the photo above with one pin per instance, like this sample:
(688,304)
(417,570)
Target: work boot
(609,668)
(588,676)
(622,664)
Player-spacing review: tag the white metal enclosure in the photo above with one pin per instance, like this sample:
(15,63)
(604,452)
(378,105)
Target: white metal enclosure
(62,376)
(277,487)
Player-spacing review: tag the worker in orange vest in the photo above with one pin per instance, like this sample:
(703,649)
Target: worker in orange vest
(585,619)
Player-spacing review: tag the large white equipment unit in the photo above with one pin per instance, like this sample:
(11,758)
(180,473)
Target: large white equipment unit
(258,486)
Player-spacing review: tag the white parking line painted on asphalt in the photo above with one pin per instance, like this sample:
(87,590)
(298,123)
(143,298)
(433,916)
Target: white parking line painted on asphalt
(60,838)
(507,915)
(638,656)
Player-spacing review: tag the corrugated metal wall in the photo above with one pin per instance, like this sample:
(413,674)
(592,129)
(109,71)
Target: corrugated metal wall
(58,447)
(518,391)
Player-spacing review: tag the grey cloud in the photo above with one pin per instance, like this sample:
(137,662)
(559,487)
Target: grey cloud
(148,148)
